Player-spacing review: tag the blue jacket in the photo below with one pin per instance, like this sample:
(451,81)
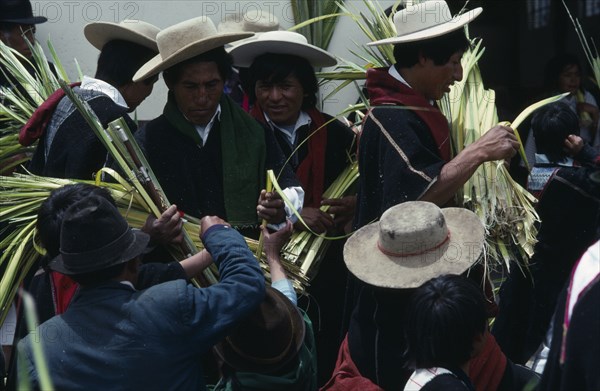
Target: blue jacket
(115,338)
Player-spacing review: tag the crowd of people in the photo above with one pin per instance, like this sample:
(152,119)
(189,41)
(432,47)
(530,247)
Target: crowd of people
(405,303)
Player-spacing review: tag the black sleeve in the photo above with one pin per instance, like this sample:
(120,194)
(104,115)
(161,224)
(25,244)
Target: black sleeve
(76,151)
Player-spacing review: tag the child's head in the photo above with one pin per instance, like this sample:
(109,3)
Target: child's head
(446,319)
(563,73)
(551,126)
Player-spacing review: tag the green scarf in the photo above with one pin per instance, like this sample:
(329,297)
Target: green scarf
(243,152)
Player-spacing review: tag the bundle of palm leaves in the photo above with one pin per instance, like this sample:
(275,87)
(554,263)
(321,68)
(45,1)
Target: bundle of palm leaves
(19,101)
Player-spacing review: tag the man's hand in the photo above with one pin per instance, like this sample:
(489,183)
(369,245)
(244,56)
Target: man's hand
(167,228)
(498,143)
(270,207)
(317,220)
(342,209)
(208,221)
(273,242)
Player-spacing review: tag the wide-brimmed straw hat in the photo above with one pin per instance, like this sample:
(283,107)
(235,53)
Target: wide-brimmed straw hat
(426,20)
(268,339)
(254,21)
(18,12)
(414,242)
(280,42)
(135,31)
(94,236)
(183,41)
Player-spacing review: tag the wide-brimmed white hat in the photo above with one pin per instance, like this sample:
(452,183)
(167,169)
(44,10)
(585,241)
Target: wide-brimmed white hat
(183,41)
(254,21)
(136,31)
(414,242)
(280,42)
(425,20)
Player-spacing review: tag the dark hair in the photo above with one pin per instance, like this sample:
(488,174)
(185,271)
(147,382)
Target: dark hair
(274,68)
(444,316)
(556,66)
(218,55)
(51,213)
(99,276)
(120,60)
(439,49)
(551,125)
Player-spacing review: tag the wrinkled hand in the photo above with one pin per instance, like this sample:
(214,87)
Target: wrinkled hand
(498,143)
(273,242)
(317,220)
(208,221)
(270,207)
(342,209)
(167,228)
(573,144)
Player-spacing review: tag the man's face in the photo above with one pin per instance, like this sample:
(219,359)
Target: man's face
(16,36)
(441,77)
(134,93)
(281,101)
(198,91)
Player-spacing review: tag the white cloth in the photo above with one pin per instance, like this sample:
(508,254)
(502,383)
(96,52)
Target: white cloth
(89,83)
(295,195)
(204,131)
(422,376)
(586,271)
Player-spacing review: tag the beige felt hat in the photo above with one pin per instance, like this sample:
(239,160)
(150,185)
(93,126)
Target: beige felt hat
(183,41)
(280,42)
(254,21)
(414,242)
(425,20)
(136,31)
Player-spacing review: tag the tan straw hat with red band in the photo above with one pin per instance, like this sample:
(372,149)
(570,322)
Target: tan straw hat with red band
(414,242)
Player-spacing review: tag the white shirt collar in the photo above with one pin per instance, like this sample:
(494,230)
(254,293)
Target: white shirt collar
(289,132)
(203,131)
(396,75)
(89,83)
(128,283)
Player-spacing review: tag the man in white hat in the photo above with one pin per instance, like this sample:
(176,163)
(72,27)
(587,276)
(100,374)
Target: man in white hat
(279,68)
(254,21)
(68,148)
(210,156)
(404,155)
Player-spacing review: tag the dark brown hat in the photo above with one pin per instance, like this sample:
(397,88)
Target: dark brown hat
(95,236)
(19,12)
(266,340)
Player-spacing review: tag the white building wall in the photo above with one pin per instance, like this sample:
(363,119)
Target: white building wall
(67,18)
